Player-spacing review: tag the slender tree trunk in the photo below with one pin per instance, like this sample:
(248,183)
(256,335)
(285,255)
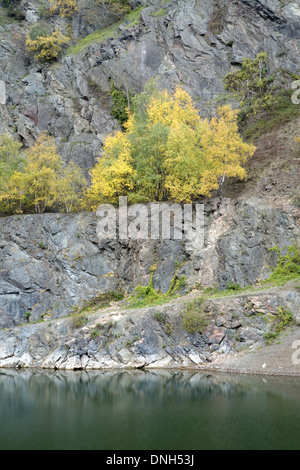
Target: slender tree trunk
(221,183)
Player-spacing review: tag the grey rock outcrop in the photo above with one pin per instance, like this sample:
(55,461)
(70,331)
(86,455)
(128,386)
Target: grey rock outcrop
(152,337)
(52,262)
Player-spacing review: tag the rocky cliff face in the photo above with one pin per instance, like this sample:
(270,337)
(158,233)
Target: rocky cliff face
(52,262)
(189,42)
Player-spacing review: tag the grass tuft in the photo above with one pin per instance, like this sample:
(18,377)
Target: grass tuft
(102,34)
(194,319)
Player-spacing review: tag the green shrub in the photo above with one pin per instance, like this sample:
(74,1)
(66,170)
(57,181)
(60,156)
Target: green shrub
(270,337)
(27,316)
(232,286)
(281,111)
(194,318)
(169,330)
(282,320)
(96,331)
(144,296)
(79,321)
(252,84)
(288,265)
(121,103)
(40,29)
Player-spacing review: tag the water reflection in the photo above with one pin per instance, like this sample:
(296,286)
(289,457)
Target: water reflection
(147,410)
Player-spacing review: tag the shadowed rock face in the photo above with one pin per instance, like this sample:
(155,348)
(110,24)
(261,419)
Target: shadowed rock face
(51,262)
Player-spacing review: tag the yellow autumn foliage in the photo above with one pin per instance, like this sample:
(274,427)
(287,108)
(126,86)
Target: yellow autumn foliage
(47,47)
(171,110)
(112,176)
(169,152)
(43,181)
(65,8)
(224,149)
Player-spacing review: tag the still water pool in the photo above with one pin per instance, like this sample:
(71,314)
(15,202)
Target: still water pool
(147,410)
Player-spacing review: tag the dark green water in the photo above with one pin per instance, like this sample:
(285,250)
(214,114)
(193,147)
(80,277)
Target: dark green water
(145,410)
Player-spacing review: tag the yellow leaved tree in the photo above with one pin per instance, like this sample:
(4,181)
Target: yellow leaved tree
(39,181)
(168,152)
(43,182)
(112,176)
(69,185)
(183,159)
(225,151)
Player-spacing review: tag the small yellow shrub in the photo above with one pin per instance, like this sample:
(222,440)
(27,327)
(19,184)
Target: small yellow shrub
(65,8)
(47,47)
